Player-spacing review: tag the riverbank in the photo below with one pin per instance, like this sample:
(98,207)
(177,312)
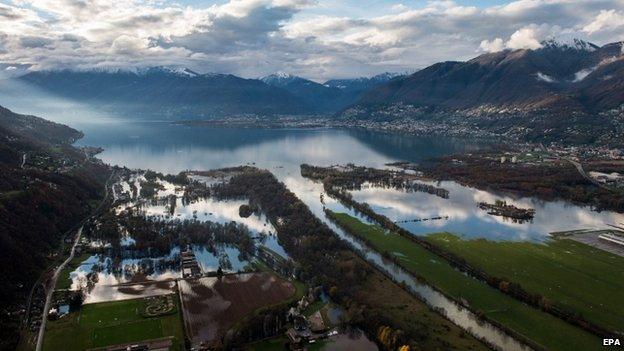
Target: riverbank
(553,334)
(370,300)
(573,275)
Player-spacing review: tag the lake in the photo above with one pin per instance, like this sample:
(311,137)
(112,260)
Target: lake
(171,148)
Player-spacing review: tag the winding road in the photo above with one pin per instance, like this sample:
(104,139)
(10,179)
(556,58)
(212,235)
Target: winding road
(52,282)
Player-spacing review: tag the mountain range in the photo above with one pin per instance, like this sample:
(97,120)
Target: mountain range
(181,93)
(555,88)
(331,96)
(577,77)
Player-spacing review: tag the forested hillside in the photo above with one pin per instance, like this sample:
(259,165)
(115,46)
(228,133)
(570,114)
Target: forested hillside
(46,186)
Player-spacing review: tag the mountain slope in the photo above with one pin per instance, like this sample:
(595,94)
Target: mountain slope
(168,92)
(330,97)
(318,97)
(556,76)
(46,186)
(360,85)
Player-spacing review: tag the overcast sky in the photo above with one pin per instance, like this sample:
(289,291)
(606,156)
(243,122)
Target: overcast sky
(317,39)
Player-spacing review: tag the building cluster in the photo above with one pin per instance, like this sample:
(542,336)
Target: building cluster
(190,267)
(307,329)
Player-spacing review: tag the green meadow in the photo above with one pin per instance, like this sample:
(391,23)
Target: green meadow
(111,323)
(543,329)
(576,276)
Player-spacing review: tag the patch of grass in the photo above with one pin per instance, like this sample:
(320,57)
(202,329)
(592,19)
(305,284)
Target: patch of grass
(274,344)
(111,323)
(542,328)
(313,307)
(64,281)
(121,333)
(574,275)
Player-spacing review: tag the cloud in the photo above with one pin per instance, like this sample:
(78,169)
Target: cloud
(492,46)
(605,20)
(545,78)
(529,37)
(257,37)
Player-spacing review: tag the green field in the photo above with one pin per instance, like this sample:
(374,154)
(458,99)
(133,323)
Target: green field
(571,274)
(111,323)
(542,328)
(64,281)
(274,344)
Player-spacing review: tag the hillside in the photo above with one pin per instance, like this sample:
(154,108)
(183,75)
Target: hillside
(578,77)
(168,93)
(46,186)
(329,97)
(569,93)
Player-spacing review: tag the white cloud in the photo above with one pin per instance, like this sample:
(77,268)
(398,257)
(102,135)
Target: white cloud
(545,78)
(582,74)
(256,37)
(529,37)
(495,45)
(606,19)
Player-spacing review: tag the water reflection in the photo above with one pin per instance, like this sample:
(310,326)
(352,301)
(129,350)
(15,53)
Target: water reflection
(171,149)
(465,218)
(104,280)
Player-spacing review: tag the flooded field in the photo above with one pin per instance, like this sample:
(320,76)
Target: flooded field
(422,213)
(128,291)
(102,280)
(212,305)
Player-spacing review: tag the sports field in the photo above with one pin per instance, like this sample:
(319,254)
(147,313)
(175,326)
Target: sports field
(112,323)
(552,333)
(574,275)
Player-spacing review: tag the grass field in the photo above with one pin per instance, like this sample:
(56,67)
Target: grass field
(111,323)
(274,344)
(574,275)
(64,281)
(542,328)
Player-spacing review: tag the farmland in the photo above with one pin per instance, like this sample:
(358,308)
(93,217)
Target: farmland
(574,275)
(112,323)
(213,305)
(553,334)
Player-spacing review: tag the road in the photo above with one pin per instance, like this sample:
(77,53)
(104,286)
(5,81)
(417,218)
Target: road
(579,168)
(50,288)
(52,282)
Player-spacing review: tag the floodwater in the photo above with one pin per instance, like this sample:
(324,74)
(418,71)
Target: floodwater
(212,305)
(173,148)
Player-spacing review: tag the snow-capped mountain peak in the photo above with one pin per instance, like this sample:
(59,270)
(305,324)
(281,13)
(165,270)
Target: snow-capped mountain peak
(575,44)
(179,71)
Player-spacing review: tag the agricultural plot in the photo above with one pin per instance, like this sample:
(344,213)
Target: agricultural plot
(576,276)
(113,323)
(552,334)
(213,305)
